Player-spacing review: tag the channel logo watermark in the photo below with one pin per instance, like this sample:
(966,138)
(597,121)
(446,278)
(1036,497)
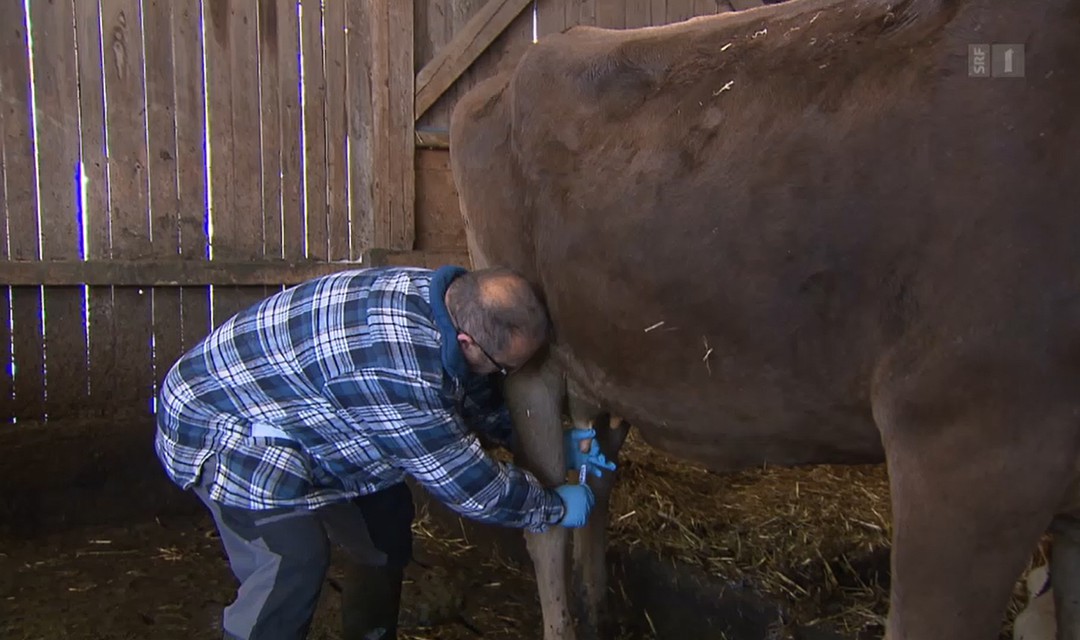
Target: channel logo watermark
(996,60)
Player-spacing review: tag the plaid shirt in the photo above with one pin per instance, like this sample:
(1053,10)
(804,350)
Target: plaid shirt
(339,387)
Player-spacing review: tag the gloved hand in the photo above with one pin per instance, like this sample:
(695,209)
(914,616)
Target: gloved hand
(575,457)
(579,501)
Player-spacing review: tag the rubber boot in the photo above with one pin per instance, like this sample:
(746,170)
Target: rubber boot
(370,601)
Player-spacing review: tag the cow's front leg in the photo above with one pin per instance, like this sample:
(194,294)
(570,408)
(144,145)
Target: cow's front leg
(535,397)
(590,541)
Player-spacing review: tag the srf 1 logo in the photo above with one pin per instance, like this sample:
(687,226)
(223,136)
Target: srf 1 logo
(996,60)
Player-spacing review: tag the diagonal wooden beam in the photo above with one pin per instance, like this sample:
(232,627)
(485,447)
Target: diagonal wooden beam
(466,46)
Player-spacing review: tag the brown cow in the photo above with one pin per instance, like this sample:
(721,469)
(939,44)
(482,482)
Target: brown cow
(804,234)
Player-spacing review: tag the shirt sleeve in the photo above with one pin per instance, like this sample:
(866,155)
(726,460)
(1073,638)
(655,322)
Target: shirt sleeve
(406,420)
(485,412)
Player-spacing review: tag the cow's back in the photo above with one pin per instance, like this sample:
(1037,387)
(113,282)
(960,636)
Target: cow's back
(740,223)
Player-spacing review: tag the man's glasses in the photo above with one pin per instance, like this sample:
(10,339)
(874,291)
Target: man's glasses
(501,368)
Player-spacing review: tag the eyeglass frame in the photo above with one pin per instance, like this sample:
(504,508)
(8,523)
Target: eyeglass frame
(499,367)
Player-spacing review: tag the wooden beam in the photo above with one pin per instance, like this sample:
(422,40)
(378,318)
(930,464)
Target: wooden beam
(424,259)
(150,273)
(433,138)
(172,273)
(466,46)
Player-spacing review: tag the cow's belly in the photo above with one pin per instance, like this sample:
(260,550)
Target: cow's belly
(733,419)
(760,379)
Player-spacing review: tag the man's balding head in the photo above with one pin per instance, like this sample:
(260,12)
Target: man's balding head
(501,312)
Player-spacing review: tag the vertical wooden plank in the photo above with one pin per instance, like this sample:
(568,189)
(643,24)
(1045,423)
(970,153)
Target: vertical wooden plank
(244,224)
(95,196)
(611,14)
(7,390)
(638,13)
(551,16)
(56,91)
(393,124)
(742,5)
(232,57)
(439,225)
(293,207)
(132,380)
(581,12)
(270,108)
(219,96)
(361,127)
(314,129)
(433,29)
(708,7)
(27,352)
(679,10)
(378,22)
(164,196)
(658,12)
(191,161)
(20,174)
(247,220)
(337,159)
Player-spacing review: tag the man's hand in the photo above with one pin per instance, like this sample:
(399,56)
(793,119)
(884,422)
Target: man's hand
(579,501)
(576,458)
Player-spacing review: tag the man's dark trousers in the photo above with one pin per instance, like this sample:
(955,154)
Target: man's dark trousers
(280,557)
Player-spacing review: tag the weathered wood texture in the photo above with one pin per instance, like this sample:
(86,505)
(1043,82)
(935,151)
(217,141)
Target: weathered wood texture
(20,207)
(95,196)
(439,226)
(166,304)
(58,158)
(172,272)
(190,104)
(296,160)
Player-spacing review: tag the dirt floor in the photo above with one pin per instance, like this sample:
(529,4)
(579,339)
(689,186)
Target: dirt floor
(169,579)
(769,553)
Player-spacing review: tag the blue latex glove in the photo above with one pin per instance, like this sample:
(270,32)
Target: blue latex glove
(579,501)
(575,457)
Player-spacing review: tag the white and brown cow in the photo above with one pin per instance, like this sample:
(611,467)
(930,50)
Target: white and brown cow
(845,248)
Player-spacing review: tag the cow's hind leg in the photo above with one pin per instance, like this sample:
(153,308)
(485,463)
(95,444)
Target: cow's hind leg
(590,541)
(974,485)
(535,396)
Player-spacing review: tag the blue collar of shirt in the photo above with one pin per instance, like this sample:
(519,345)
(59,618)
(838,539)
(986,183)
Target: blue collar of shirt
(453,360)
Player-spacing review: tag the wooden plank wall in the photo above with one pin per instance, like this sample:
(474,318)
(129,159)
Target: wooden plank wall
(135,153)
(438,223)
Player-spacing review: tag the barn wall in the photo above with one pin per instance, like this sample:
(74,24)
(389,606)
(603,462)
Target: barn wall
(145,138)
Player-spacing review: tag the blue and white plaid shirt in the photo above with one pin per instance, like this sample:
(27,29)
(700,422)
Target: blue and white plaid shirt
(339,387)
